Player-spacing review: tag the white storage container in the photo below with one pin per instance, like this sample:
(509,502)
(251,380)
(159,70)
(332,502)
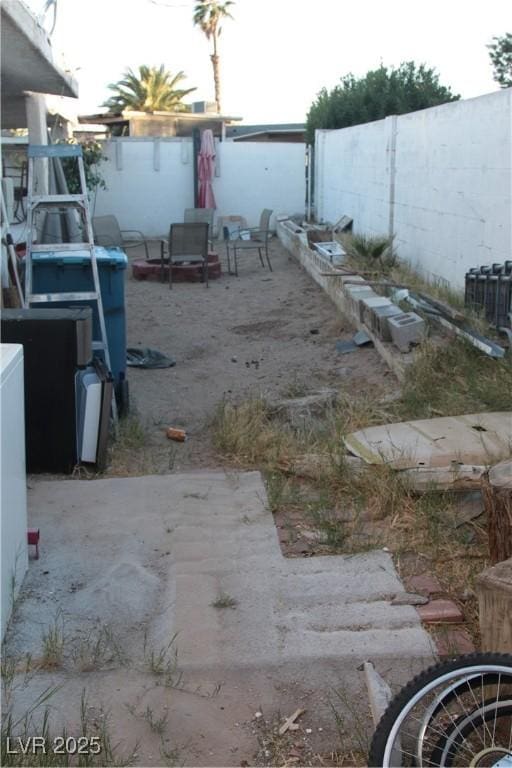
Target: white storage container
(14,482)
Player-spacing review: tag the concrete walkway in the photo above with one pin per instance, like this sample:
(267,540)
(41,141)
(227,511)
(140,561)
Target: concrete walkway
(148,557)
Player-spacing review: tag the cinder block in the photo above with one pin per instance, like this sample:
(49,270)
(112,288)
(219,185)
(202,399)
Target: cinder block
(366,306)
(354,294)
(359,290)
(379,320)
(350,279)
(406,329)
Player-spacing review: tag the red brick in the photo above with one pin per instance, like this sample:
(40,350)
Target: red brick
(453,642)
(144,270)
(440,611)
(424,584)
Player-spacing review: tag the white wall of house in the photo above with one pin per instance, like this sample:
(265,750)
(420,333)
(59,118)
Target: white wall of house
(440,178)
(151,181)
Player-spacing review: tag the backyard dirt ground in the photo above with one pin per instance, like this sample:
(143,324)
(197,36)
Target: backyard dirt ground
(270,334)
(262,334)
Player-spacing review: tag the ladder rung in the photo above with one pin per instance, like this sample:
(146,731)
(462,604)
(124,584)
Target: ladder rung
(54,247)
(51,297)
(62,200)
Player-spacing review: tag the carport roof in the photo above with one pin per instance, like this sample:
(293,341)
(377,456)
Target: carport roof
(27,63)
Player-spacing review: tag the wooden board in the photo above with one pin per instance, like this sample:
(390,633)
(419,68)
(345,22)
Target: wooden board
(456,477)
(477,438)
(497,489)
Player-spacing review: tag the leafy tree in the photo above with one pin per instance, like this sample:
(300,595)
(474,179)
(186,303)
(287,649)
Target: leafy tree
(381,92)
(208,15)
(93,156)
(500,53)
(152,89)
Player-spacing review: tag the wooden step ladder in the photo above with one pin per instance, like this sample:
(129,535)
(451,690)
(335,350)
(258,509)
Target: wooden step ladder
(61,203)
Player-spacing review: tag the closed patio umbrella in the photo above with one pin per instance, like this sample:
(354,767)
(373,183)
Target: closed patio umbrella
(205,170)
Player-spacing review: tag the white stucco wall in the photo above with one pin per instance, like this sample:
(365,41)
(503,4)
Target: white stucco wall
(257,175)
(353,176)
(453,186)
(452,183)
(150,182)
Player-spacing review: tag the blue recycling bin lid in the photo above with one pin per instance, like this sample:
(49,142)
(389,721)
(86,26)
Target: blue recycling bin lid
(105,257)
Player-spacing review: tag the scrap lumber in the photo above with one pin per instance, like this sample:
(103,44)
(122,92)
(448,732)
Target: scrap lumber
(290,724)
(379,692)
(455,477)
(435,312)
(497,490)
(472,439)
(444,308)
(311,465)
(16,298)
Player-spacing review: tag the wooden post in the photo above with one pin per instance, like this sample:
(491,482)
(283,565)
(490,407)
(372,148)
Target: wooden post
(497,492)
(494,590)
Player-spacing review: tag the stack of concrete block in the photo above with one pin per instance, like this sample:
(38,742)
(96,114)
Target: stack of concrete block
(355,294)
(368,304)
(406,329)
(380,317)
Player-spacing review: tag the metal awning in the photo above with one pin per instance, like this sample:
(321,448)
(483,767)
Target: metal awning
(27,63)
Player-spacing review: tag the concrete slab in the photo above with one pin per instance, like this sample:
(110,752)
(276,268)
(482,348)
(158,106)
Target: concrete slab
(148,557)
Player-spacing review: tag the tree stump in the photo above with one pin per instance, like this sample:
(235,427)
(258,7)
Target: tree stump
(497,492)
(494,590)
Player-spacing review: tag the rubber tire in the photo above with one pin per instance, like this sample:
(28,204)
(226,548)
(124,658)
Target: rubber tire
(435,754)
(397,704)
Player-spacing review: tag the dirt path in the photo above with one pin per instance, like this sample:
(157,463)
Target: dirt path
(263,333)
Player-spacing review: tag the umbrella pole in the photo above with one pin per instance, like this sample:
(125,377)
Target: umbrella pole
(196,143)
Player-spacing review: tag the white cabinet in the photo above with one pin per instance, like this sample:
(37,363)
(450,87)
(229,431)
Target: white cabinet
(13,512)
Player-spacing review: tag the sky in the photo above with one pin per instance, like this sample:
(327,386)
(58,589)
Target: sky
(275,55)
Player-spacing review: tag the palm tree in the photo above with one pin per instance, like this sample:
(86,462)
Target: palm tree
(208,15)
(152,89)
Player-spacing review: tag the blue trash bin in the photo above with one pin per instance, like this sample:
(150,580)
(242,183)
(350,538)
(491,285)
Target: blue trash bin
(61,272)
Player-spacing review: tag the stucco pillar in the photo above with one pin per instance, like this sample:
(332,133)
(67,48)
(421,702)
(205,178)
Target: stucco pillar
(35,105)
(391,169)
(319,175)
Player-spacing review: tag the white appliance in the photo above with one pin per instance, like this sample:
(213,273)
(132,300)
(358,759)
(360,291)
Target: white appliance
(93,401)
(13,512)
(89,397)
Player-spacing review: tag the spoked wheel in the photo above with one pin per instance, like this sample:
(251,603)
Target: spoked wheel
(457,713)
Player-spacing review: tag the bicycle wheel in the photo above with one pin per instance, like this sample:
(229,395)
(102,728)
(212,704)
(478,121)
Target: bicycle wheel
(456,713)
